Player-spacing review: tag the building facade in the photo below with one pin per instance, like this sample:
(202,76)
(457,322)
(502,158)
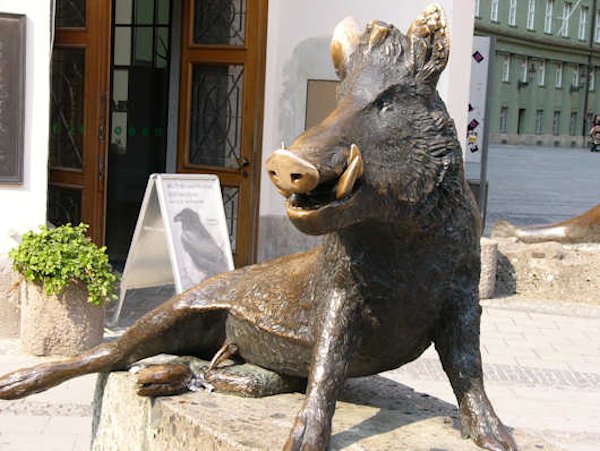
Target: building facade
(546,86)
(116,90)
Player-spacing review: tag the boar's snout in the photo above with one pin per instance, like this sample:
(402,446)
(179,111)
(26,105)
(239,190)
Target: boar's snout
(290,173)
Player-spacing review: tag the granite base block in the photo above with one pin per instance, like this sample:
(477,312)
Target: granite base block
(374,413)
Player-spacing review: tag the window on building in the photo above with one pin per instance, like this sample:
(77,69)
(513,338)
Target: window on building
(556,123)
(589,117)
(477,6)
(597,30)
(521,118)
(573,123)
(583,15)
(512,12)
(524,70)
(592,79)
(548,16)
(506,68)
(531,15)
(558,78)
(564,26)
(503,119)
(539,120)
(541,73)
(494,11)
(575,79)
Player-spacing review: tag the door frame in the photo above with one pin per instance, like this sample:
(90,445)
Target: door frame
(95,39)
(252,55)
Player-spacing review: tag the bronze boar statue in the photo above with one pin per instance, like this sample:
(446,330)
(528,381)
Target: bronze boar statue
(382,178)
(584,228)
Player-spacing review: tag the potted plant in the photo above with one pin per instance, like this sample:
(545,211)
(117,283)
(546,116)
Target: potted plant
(68,281)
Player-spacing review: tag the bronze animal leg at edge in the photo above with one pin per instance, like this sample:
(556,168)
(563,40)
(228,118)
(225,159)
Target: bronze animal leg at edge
(156,332)
(339,336)
(457,343)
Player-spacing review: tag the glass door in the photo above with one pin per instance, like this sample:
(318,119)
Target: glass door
(138,113)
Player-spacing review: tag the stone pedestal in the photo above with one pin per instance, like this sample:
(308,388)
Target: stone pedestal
(487,281)
(373,413)
(551,270)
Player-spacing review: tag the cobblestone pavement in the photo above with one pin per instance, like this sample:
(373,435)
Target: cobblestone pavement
(59,419)
(540,185)
(541,364)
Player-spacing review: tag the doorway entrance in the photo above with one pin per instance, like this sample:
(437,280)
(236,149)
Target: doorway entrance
(137,146)
(153,86)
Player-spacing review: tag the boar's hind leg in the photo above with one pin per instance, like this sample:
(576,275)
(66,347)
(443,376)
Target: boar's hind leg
(168,329)
(457,343)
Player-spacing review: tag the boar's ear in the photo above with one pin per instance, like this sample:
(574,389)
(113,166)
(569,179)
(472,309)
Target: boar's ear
(345,40)
(428,35)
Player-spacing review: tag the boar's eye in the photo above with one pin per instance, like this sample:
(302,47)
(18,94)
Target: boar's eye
(385,102)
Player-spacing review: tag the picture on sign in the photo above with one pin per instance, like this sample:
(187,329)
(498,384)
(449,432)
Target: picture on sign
(194,209)
(12,96)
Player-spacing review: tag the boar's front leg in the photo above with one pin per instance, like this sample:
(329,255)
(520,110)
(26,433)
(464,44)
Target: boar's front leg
(457,343)
(338,338)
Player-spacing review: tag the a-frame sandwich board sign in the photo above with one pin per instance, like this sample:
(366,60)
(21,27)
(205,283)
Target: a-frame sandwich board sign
(181,235)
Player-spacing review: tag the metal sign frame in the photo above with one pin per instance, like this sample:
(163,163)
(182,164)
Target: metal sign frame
(181,227)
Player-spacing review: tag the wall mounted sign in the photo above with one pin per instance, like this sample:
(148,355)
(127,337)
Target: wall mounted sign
(321,99)
(481,73)
(12,97)
(181,235)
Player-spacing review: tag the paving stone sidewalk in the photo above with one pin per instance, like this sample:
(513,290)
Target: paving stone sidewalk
(541,364)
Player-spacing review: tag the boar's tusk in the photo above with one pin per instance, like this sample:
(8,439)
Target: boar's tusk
(355,153)
(351,174)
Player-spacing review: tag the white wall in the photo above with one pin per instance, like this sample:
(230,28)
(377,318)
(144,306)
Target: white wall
(23,207)
(298,49)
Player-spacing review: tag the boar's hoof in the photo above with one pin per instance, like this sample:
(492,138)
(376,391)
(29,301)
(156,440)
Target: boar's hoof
(25,382)
(480,423)
(308,434)
(164,380)
(227,351)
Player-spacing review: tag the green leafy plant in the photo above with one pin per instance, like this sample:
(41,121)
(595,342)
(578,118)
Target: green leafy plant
(63,255)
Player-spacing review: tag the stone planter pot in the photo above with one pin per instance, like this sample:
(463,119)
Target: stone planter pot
(59,325)
(10,288)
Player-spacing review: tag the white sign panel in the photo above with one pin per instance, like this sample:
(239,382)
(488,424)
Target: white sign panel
(181,235)
(197,227)
(476,122)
